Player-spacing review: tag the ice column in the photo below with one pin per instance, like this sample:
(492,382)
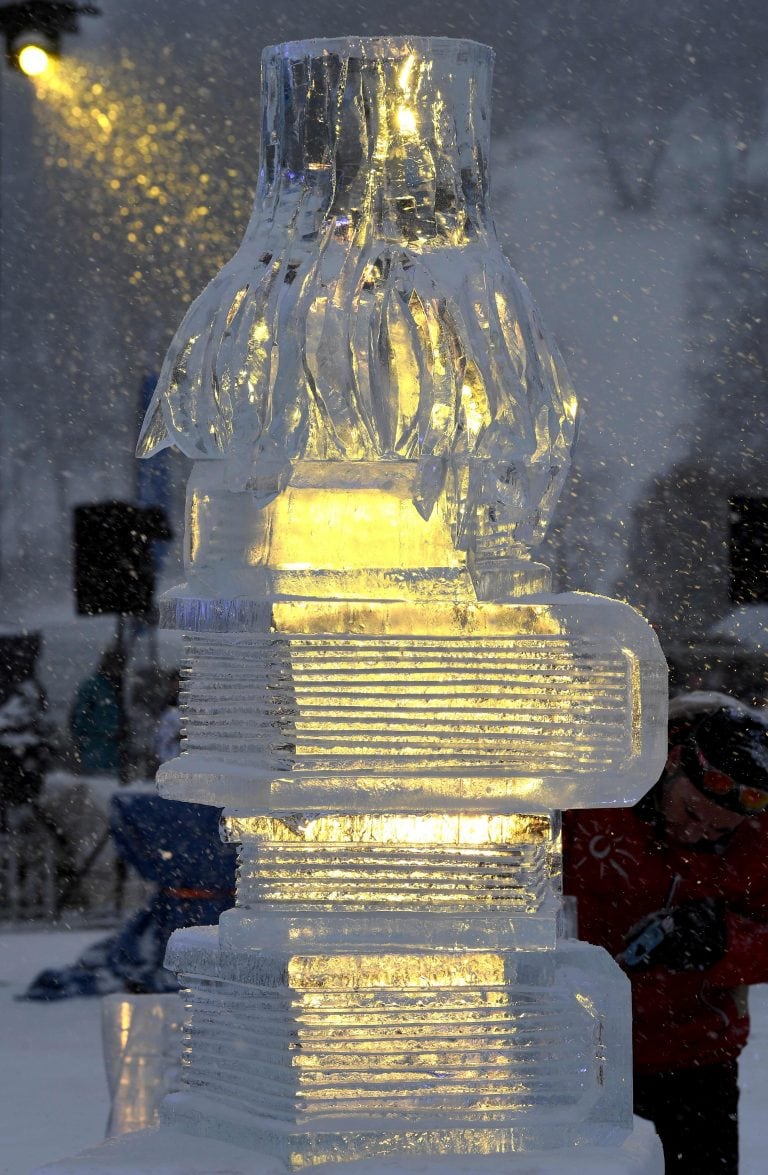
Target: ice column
(378,689)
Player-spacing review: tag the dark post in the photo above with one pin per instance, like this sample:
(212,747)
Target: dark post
(749,550)
(115,572)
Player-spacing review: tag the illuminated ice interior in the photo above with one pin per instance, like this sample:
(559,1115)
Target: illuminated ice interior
(379,690)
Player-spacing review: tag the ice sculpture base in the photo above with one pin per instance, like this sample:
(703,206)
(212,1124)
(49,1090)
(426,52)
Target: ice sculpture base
(469,1039)
(168,1152)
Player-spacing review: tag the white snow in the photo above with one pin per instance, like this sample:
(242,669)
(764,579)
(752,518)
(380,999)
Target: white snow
(613,287)
(53,1094)
(746,626)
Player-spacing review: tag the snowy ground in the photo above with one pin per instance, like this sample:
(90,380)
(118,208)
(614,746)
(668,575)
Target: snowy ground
(54,1094)
(53,1098)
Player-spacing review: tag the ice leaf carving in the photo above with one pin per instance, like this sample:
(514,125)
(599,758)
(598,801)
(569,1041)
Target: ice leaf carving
(369,314)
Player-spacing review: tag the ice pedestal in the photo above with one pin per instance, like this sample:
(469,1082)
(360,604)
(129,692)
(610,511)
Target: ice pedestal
(393,979)
(452,1052)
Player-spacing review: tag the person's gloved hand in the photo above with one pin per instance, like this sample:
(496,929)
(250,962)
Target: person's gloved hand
(688,937)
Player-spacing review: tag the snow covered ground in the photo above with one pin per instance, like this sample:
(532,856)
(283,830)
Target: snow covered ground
(53,1096)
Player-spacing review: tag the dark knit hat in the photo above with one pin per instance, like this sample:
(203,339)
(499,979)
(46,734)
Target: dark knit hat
(722,746)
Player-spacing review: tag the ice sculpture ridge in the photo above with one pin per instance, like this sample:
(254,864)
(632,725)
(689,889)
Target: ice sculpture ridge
(369,313)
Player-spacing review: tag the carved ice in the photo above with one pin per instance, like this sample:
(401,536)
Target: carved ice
(387,712)
(369,314)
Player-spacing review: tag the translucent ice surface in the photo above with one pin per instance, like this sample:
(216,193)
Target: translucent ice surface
(142,1040)
(394,880)
(377,689)
(346,1055)
(369,313)
(327,703)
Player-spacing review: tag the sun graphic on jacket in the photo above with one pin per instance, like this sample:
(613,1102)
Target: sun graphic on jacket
(609,854)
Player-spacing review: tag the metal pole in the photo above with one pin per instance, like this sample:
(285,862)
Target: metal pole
(123,745)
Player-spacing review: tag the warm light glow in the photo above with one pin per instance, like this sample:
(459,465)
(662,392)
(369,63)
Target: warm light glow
(33,60)
(475,712)
(307,526)
(141,1037)
(409,343)
(141,166)
(406,120)
(474,402)
(459,862)
(407,1034)
(466,829)
(337,973)
(405,72)
(124,1017)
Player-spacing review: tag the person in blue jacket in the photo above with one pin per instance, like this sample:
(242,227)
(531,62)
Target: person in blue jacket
(96,718)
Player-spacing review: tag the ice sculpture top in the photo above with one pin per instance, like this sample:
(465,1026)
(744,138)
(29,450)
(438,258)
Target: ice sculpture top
(369,314)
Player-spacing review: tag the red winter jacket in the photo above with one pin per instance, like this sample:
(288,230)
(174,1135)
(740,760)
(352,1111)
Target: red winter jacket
(620,868)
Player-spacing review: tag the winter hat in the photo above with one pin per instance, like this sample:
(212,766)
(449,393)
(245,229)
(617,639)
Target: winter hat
(722,746)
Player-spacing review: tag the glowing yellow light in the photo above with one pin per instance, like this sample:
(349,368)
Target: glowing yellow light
(457,861)
(405,71)
(260,332)
(124,1018)
(476,413)
(316,974)
(378,675)
(101,119)
(406,120)
(468,830)
(90,117)
(33,60)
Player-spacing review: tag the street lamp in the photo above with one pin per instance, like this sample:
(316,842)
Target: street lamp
(33,31)
(33,59)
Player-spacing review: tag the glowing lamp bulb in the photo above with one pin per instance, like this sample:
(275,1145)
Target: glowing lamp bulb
(33,60)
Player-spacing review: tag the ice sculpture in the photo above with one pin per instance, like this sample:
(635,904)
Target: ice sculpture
(378,689)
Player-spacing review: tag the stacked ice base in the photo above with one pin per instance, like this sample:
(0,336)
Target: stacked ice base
(392,980)
(342,1057)
(391,991)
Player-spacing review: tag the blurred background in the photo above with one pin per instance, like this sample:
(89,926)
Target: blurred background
(630,188)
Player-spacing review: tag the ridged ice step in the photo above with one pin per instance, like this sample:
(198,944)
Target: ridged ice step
(352,1053)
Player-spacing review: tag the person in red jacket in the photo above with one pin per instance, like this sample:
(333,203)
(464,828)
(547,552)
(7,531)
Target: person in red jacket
(676,889)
